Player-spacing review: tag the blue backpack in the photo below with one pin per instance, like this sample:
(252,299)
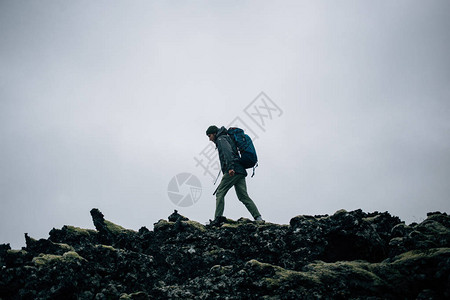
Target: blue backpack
(245,147)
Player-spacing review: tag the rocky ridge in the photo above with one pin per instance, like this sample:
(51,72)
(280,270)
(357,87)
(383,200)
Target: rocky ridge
(347,255)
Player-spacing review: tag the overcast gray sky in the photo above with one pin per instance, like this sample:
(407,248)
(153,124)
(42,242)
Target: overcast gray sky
(102,103)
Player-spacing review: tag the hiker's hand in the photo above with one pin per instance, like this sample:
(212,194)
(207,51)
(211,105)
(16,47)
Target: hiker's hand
(231,172)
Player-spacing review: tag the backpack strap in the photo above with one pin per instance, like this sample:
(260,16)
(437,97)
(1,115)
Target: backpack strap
(254,169)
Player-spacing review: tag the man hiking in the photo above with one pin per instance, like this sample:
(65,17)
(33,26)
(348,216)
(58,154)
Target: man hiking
(233,174)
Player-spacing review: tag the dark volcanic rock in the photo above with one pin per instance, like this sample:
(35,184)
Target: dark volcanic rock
(347,255)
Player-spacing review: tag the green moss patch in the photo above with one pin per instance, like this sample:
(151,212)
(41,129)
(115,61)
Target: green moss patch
(196,225)
(79,231)
(44,259)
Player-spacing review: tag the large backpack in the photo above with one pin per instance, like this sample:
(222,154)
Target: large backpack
(245,146)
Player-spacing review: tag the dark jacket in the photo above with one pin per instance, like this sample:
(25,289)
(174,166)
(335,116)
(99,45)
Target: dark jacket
(228,153)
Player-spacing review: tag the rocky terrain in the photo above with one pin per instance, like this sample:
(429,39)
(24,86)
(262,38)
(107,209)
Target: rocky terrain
(347,255)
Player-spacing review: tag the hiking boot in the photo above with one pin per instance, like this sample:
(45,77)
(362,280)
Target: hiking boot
(259,220)
(217,221)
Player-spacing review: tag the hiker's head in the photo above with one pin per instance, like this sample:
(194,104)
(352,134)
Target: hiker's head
(211,132)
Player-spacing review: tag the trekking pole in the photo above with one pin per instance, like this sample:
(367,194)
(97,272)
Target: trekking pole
(217,177)
(215,183)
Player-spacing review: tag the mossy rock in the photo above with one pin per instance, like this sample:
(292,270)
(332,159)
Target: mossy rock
(135,296)
(114,228)
(107,247)
(230,225)
(162,225)
(196,225)
(72,235)
(72,256)
(17,257)
(275,277)
(355,275)
(45,259)
(411,257)
(64,247)
(46,246)
(357,272)
(340,212)
(79,231)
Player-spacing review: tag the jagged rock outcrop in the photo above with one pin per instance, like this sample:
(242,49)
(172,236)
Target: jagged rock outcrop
(347,255)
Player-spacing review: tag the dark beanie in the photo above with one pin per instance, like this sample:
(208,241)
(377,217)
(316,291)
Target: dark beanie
(212,129)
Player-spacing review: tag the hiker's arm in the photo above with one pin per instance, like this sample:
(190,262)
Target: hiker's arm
(227,153)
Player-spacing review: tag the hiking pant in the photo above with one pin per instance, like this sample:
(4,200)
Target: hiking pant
(238,181)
